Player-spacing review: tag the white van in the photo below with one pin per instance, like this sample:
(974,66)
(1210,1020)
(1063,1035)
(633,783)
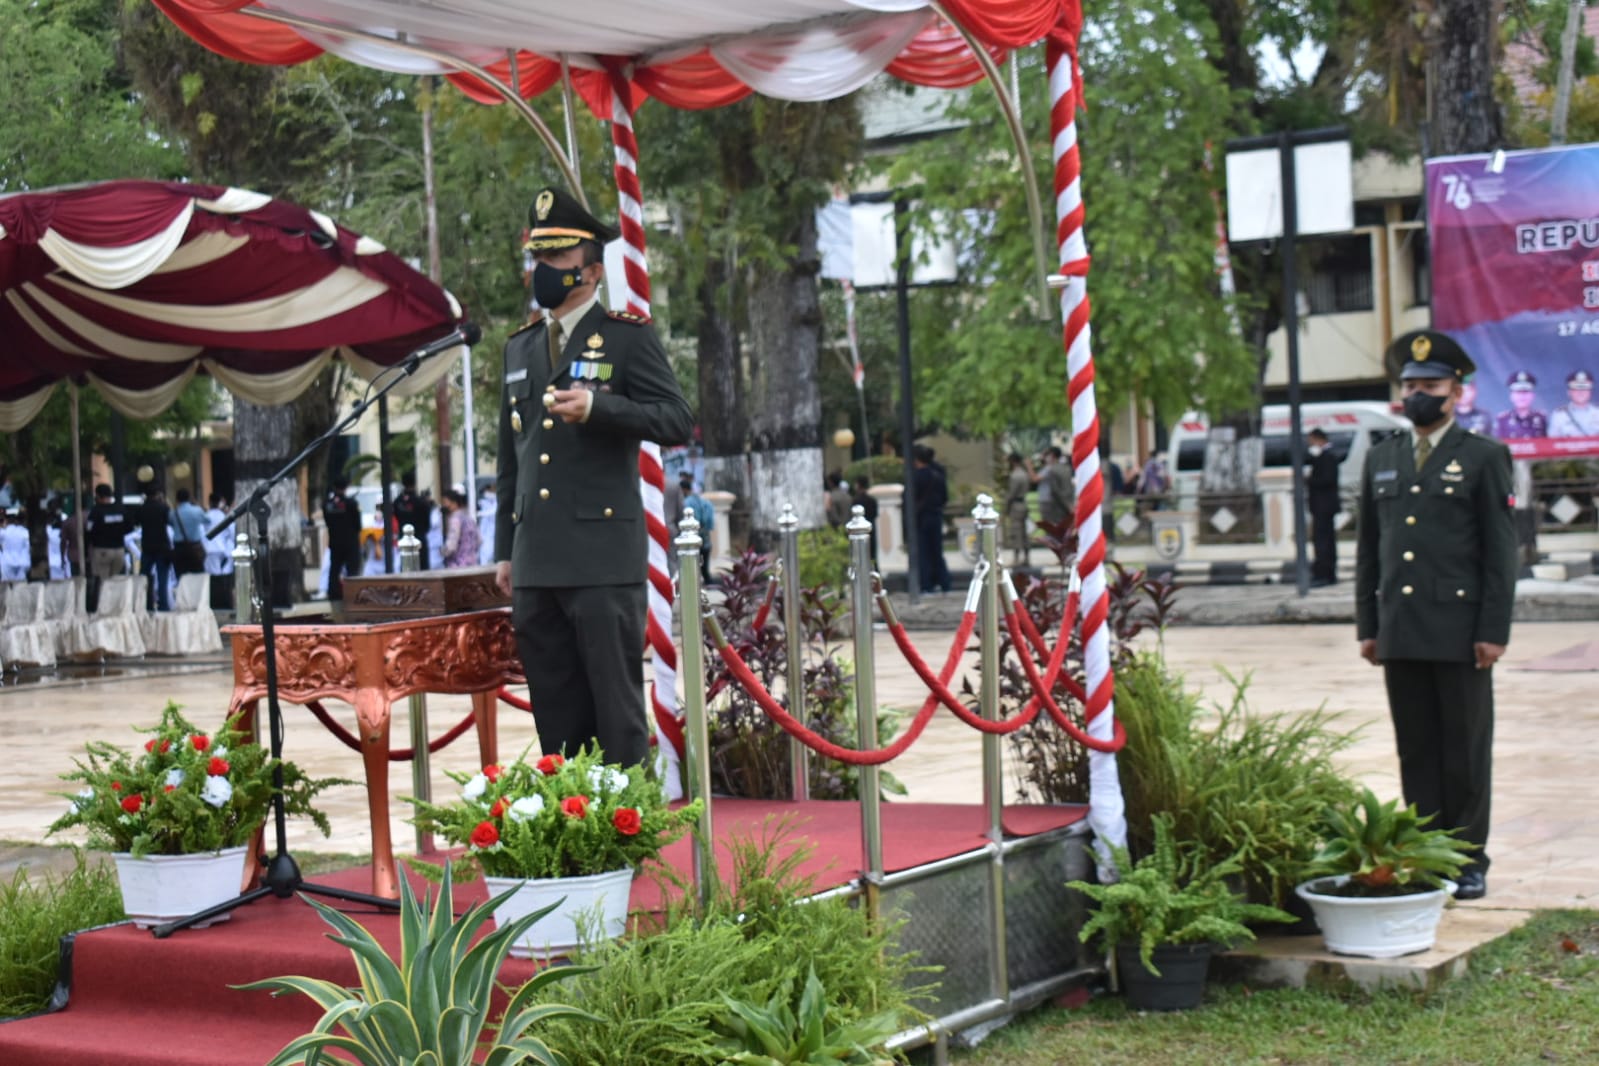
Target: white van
(1352,427)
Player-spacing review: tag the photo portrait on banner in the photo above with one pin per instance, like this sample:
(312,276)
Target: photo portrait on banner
(1515,279)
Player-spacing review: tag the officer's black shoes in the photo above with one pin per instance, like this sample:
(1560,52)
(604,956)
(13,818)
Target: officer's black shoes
(1473,884)
(1323,582)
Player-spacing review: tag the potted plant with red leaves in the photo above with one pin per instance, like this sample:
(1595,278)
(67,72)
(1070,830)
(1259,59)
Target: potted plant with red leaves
(558,829)
(178,810)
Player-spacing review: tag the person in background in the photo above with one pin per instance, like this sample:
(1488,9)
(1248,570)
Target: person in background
(69,535)
(838,500)
(1522,421)
(1578,417)
(188,535)
(1154,482)
(219,554)
(16,549)
(105,528)
(460,532)
(705,515)
(55,550)
(1055,493)
(1468,415)
(1321,484)
(342,516)
(155,550)
(932,494)
(8,494)
(1017,484)
(864,499)
(414,511)
(488,506)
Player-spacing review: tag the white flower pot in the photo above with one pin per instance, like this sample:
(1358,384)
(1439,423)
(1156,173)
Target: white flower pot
(601,898)
(1380,927)
(162,888)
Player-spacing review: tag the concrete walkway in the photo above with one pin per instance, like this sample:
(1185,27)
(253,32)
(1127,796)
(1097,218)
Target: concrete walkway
(1545,841)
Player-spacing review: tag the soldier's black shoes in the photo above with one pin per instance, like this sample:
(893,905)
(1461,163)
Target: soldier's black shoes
(1473,884)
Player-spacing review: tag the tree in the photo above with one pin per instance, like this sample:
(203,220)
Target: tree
(1466,113)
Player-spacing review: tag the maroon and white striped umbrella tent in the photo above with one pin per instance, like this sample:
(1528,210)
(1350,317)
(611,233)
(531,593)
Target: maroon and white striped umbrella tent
(133,287)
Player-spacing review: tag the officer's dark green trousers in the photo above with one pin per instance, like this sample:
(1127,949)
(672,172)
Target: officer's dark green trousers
(583,650)
(1443,715)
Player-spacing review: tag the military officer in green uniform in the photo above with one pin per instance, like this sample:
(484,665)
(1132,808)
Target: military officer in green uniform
(1435,575)
(583,387)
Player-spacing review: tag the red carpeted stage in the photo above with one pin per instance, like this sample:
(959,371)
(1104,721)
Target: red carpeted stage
(135,1000)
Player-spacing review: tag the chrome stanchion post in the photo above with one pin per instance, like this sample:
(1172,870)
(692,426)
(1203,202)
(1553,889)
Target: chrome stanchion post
(698,757)
(987,520)
(799,755)
(421,776)
(244,605)
(860,554)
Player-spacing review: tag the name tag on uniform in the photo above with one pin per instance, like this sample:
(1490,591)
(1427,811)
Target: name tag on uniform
(516,375)
(1385,475)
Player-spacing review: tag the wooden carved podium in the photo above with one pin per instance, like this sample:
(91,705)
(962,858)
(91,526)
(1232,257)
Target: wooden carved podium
(369,665)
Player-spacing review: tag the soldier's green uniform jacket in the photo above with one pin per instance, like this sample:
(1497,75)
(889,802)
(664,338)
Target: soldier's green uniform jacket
(1436,567)
(570,510)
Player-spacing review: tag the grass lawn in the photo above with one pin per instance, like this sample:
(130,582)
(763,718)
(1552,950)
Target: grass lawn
(1530,997)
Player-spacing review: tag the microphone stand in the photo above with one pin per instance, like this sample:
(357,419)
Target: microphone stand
(282,875)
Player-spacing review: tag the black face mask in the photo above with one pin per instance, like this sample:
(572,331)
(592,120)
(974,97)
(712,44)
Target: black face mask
(1423,409)
(552,285)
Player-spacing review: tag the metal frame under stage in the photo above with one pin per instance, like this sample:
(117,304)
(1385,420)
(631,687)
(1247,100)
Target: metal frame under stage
(997,920)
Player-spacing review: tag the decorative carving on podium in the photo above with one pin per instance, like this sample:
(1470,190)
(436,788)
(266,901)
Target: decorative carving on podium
(316,659)
(464,656)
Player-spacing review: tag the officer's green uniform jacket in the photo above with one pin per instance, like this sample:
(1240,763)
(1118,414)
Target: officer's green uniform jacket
(1436,567)
(570,510)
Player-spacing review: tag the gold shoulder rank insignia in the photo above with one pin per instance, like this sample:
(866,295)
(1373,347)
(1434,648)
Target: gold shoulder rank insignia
(628,316)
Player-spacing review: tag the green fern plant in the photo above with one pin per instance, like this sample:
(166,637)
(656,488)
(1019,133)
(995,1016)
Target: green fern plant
(780,1034)
(1387,850)
(1170,896)
(429,1007)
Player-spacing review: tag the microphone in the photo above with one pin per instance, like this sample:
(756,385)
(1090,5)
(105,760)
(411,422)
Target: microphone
(467,333)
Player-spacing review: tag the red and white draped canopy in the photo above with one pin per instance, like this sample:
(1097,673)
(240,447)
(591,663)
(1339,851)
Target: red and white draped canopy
(136,286)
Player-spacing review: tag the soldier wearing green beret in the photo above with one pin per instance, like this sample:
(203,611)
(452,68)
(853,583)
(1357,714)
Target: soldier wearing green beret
(583,387)
(1435,577)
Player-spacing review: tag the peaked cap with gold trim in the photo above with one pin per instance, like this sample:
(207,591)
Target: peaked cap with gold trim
(1427,353)
(556,220)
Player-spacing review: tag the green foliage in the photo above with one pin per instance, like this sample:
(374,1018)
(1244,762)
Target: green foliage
(823,558)
(185,793)
(783,1033)
(1241,785)
(557,817)
(1173,895)
(659,996)
(1387,850)
(429,1007)
(35,915)
(879,470)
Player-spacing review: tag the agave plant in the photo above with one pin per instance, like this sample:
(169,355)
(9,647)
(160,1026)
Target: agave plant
(1386,849)
(429,1007)
(778,1035)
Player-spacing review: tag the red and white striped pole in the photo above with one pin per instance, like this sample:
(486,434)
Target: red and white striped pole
(652,479)
(1107,814)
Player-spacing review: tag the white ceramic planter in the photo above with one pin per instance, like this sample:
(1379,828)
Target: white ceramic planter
(602,897)
(1376,927)
(161,888)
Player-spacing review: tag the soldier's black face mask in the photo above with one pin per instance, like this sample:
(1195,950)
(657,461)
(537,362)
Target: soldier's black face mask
(1424,409)
(552,284)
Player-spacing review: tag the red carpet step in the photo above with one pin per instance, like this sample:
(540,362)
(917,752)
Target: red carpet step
(139,1001)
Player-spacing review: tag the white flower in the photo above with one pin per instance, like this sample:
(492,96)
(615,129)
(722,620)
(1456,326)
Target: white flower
(475,788)
(526,808)
(85,797)
(175,777)
(607,779)
(220,752)
(217,791)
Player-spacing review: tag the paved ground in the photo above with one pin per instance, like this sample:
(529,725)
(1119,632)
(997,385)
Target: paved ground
(1545,841)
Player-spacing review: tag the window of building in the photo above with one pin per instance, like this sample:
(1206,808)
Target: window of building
(1340,275)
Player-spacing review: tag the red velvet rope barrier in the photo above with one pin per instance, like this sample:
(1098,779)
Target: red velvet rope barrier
(820,744)
(766,604)
(941,693)
(351,741)
(1025,619)
(507,696)
(1062,719)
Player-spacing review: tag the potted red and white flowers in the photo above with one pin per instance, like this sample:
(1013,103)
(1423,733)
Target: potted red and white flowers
(573,830)
(178,811)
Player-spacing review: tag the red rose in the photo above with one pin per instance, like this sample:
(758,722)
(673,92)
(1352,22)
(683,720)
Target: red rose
(168,788)
(131,804)
(501,805)
(200,742)
(575,806)
(116,786)
(549,765)
(149,745)
(218,767)
(485,835)
(627,821)
(493,772)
